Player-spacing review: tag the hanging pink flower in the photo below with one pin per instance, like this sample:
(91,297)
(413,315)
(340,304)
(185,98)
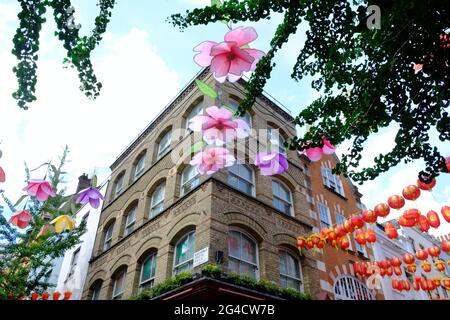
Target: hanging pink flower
(229,59)
(212,159)
(40,189)
(91,195)
(417,66)
(328,148)
(2,175)
(219,127)
(315,153)
(271,163)
(21,219)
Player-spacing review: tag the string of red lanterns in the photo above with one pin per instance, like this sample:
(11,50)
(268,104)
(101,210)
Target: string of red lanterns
(45,296)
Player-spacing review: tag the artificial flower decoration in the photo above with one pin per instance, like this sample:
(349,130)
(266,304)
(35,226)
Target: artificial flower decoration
(62,223)
(315,153)
(2,175)
(231,58)
(218,126)
(21,219)
(328,148)
(271,163)
(91,195)
(212,159)
(45,230)
(40,189)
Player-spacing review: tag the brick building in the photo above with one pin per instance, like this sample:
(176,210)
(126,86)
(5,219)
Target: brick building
(333,199)
(157,211)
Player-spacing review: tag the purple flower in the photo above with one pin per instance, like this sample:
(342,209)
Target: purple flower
(271,163)
(91,195)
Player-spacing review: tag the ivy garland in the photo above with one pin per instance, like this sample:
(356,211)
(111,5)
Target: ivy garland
(365,74)
(26,45)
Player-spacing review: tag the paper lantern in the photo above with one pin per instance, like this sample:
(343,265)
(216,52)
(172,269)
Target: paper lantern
(357,221)
(384,264)
(412,214)
(321,243)
(445,245)
(416,285)
(331,235)
(67,295)
(395,284)
(404,222)
(301,242)
(45,296)
(411,192)
(434,251)
(389,272)
(396,202)
(348,226)
(445,210)
(339,231)
(390,231)
(396,262)
(426,266)
(407,285)
(421,254)
(439,265)
(408,258)
(423,224)
(369,216)
(309,243)
(381,210)
(430,285)
(344,243)
(360,237)
(437,282)
(371,237)
(426,186)
(397,270)
(382,272)
(34,296)
(324,232)
(446,283)
(433,219)
(411,268)
(56,295)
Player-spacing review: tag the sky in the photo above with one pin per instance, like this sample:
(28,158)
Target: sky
(143,62)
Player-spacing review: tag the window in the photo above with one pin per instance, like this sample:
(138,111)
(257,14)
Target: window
(140,165)
(324,214)
(332,181)
(148,272)
(241,177)
(197,110)
(119,285)
(184,253)
(349,288)
(276,140)
(131,219)
(85,218)
(73,262)
(189,179)
(95,290)
(164,144)
(108,237)
(234,106)
(361,249)
(243,254)
(119,184)
(290,274)
(157,200)
(282,198)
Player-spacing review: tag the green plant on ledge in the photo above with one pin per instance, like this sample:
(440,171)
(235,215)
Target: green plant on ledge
(166,286)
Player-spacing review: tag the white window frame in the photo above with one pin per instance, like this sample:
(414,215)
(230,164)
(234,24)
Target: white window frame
(300,280)
(118,295)
(320,206)
(277,138)
(195,111)
(241,260)
(108,239)
(291,203)
(176,267)
(148,283)
(130,224)
(153,205)
(96,291)
(119,184)
(164,148)
(361,249)
(140,166)
(350,288)
(240,178)
(332,181)
(184,183)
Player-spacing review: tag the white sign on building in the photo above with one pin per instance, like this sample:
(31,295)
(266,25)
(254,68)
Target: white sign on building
(201,256)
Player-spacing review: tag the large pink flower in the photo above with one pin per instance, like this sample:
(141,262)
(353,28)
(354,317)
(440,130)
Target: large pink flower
(212,159)
(219,127)
(271,163)
(315,153)
(40,189)
(229,59)
(21,219)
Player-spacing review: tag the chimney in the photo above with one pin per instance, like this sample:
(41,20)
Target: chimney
(83,182)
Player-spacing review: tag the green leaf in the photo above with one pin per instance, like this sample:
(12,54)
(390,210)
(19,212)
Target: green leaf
(73,208)
(198,146)
(20,200)
(94,181)
(216,3)
(245,46)
(207,90)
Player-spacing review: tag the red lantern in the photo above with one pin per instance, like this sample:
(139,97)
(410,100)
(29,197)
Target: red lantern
(412,214)
(357,221)
(384,264)
(67,295)
(371,237)
(389,272)
(439,265)
(445,210)
(423,224)
(437,282)
(45,296)
(390,231)
(422,282)
(426,186)
(406,222)
(408,258)
(360,237)
(369,216)
(381,210)
(348,226)
(400,285)
(320,243)
(56,295)
(411,192)
(398,271)
(433,219)
(434,251)
(344,243)
(339,232)
(34,296)
(446,283)
(416,285)
(426,266)
(445,245)
(309,243)
(395,284)
(421,254)
(430,285)
(396,262)
(396,202)
(301,242)
(382,272)
(411,268)
(331,235)
(407,285)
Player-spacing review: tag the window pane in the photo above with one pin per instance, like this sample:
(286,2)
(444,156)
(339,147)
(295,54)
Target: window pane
(247,269)
(197,110)
(233,265)
(148,268)
(248,249)
(119,283)
(185,249)
(164,144)
(233,244)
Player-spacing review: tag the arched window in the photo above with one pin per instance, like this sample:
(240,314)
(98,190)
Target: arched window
(276,140)
(96,289)
(108,237)
(349,288)
(241,177)
(247,117)
(164,144)
(118,184)
(119,284)
(130,221)
(197,110)
(189,179)
(148,269)
(140,165)
(157,200)
(282,197)
(290,272)
(243,254)
(184,253)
